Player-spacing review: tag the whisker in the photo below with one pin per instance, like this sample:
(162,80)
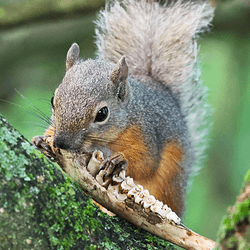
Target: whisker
(45,119)
(41,115)
(12,103)
(37,112)
(36,108)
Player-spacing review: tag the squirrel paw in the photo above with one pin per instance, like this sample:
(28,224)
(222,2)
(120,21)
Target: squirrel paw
(41,144)
(111,166)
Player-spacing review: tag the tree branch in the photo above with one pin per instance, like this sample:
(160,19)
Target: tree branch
(41,208)
(234,232)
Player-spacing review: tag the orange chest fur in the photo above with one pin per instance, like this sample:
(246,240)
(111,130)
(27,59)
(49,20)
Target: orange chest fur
(130,142)
(141,163)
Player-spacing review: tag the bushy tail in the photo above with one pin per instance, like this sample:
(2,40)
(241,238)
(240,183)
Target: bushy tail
(157,40)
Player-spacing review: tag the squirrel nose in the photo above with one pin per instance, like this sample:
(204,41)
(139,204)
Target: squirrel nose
(61,143)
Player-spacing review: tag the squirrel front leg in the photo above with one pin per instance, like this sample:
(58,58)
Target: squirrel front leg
(110,167)
(40,143)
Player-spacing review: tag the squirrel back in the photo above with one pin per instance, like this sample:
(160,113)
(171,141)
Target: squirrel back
(150,109)
(160,42)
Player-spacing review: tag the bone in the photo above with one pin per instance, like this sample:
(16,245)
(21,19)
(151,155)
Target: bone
(148,201)
(123,188)
(100,177)
(120,177)
(75,167)
(157,207)
(95,162)
(127,185)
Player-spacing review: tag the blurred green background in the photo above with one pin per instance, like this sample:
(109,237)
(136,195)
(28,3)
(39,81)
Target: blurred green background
(35,37)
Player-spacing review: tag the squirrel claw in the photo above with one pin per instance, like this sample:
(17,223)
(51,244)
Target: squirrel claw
(40,143)
(112,166)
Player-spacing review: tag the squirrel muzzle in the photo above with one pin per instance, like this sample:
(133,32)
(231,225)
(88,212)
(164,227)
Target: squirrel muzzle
(69,141)
(62,143)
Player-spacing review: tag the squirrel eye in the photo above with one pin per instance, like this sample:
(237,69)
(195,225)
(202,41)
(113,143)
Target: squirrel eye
(102,114)
(52,100)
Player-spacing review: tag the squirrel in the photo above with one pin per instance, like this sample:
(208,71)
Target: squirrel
(141,97)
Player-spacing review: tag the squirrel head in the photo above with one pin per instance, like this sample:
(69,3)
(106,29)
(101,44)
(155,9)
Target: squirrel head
(88,106)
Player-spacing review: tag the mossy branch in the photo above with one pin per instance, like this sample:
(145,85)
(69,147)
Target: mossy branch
(41,208)
(234,232)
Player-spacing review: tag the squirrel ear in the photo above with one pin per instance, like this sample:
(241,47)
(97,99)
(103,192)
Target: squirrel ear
(72,55)
(119,77)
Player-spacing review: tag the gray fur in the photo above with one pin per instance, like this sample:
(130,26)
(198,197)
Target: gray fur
(149,104)
(72,55)
(119,77)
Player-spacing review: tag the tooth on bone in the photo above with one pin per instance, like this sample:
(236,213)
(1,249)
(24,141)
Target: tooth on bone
(167,209)
(95,162)
(122,174)
(148,201)
(156,207)
(172,216)
(127,184)
(130,182)
(138,199)
(114,189)
(120,177)
(132,192)
(100,177)
(162,212)
(141,195)
(144,193)
(139,188)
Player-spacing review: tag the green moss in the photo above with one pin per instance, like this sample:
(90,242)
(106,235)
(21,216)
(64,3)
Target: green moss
(245,243)
(239,216)
(107,244)
(159,242)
